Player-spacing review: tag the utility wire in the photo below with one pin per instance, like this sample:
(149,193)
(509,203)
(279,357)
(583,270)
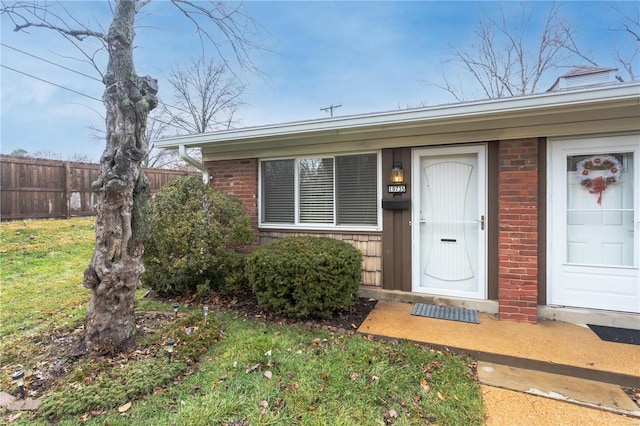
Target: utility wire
(74,71)
(79,93)
(74,91)
(53,84)
(49,62)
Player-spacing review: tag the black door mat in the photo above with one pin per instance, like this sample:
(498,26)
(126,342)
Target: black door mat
(618,335)
(446,312)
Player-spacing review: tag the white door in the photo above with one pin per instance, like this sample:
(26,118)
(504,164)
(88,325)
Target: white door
(593,223)
(449,221)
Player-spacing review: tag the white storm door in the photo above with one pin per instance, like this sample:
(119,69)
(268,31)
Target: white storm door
(449,221)
(593,218)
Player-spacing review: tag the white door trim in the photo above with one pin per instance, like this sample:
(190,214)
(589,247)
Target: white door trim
(416,195)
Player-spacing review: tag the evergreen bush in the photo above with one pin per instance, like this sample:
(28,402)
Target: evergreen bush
(195,240)
(305,276)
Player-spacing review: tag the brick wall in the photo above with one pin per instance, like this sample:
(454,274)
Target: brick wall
(238,178)
(518,230)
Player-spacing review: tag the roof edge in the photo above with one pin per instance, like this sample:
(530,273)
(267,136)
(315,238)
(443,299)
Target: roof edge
(470,110)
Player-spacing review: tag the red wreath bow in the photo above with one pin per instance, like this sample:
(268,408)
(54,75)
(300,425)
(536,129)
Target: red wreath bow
(598,185)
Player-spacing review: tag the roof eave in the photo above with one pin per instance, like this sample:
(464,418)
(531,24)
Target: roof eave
(462,112)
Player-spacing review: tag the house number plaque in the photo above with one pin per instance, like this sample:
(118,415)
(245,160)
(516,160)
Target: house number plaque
(397,188)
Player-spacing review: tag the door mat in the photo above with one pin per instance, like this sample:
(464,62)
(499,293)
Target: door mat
(618,335)
(446,312)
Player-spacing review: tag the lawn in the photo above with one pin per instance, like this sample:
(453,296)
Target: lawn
(231,370)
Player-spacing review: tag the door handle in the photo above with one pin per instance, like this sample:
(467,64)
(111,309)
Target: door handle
(482,222)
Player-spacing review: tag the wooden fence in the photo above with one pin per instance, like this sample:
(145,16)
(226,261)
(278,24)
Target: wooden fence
(33,188)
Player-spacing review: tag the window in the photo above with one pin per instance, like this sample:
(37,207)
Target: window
(600,210)
(322,191)
(278,191)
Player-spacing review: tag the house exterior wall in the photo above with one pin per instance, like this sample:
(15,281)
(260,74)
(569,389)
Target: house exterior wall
(518,230)
(396,225)
(238,178)
(519,250)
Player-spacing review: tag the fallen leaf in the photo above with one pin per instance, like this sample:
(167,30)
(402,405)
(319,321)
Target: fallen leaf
(354,376)
(252,368)
(324,375)
(264,404)
(14,417)
(268,374)
(440,396)
(424,386)
(393,413)
(125,407)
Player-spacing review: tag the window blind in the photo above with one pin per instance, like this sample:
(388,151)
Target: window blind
(316,190)
(278,192)
(356,190)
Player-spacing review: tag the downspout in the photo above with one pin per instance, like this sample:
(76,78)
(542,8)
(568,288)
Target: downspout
(183,154)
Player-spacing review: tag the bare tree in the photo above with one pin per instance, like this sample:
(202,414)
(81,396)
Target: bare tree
(206,96)
(629,27)
(121,188)
(47,155)
(506,60)
(157,128)
(80,158)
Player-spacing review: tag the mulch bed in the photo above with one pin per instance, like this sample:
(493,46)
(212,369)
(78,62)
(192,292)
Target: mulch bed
(244,303)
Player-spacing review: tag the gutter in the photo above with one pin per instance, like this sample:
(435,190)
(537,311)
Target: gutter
(195,163)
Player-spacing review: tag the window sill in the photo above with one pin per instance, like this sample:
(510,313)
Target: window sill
(322,230)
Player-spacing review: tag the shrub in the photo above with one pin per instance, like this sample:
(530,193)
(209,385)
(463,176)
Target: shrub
(195,239)
(305,276)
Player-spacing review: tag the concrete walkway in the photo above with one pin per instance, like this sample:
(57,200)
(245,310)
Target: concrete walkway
(551,373)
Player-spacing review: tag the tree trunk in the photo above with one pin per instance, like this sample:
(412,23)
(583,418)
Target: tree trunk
(114,272)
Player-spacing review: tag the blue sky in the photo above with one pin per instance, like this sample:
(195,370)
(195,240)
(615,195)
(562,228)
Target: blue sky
(367,56)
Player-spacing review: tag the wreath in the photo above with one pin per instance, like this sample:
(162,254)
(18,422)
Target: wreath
(596,185)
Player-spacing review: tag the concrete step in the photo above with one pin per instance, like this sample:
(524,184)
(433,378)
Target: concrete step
(584,392)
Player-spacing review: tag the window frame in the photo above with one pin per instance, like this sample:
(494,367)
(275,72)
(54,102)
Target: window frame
(296,176)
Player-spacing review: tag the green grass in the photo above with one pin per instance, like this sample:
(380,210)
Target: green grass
(257,373)
(41,268)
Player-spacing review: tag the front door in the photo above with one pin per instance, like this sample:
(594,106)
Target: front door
(449,221)
(593,217)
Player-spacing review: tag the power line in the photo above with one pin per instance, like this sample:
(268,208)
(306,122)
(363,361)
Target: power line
(74,71)
(53,84)
(49,62)
(80,93)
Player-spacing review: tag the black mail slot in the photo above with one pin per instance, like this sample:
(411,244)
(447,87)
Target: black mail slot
(396,204)
(448,240)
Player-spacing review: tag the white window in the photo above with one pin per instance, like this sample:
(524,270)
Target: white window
(323,191)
